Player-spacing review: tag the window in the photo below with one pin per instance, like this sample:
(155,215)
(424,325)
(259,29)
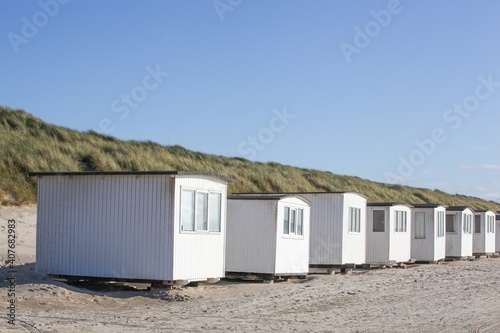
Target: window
(354,219)
(293,221)
(450,223)
(286,221)
(467,223)
(477,224)
(419,225)
(214,213)
(491,224)
(400,221)
(187,210)
(378,219)
(300,222)
(440,224)
(200,211)
(293,218)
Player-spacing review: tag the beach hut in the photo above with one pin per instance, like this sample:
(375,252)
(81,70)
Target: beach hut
(164,226)
(428,238)
(459,232)
(338,228)
(267,235)
(388,236)
(497,234)
(483,242)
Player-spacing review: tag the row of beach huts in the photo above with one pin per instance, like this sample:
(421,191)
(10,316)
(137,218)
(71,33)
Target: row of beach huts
(177,227)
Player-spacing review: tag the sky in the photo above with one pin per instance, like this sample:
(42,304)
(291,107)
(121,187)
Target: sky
(403,92)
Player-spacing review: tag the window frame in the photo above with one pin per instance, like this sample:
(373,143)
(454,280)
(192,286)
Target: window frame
(401,225)
(293,220)
(210,210)
(440,224)
(354,224)
(490,224)
(467,224)
(195,212)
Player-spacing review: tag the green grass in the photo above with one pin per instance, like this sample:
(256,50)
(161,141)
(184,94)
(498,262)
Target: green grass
(29,144)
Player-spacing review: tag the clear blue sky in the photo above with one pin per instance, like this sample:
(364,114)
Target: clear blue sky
(355,83)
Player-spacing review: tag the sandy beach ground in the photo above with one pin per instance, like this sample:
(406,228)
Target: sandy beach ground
(450,297)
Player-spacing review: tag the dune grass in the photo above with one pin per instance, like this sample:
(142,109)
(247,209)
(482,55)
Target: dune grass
(29,144)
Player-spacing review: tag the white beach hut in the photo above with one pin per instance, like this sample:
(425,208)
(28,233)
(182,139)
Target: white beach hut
(388,238)
(459,232)
(428,240)
(497,234)
(338,228)
(267,235)
(483,242)
(165,226)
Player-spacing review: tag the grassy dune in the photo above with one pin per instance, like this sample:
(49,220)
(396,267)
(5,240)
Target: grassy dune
(30,144)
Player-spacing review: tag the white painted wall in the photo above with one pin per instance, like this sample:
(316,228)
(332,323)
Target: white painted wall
(199,255)
(432,248)
(124,226)
(497,234)
(483,241)
(400,248)
(251,236)
(458,243)
(256,242)
(354,244)
(292,252)
(331,241)
(388,246)
(105,226)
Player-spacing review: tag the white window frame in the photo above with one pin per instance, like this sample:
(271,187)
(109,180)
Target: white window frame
(354,220)
(293,220)
(491,224)
(467,224)
(440,224)
(401,221)
(195,212)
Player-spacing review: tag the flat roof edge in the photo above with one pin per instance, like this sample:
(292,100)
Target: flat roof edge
(121,173)
(301,193)
(428,206)
(459,208)
(388,204)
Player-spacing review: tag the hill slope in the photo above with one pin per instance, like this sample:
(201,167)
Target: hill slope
(29,144)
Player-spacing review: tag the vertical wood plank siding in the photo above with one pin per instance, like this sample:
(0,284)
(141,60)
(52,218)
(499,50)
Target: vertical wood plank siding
(105,226)
(432,247)
(331,242)
(251,236)
(390,245)
(497,233)
(256,242)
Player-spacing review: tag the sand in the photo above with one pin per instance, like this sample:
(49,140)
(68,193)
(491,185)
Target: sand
(450,297)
